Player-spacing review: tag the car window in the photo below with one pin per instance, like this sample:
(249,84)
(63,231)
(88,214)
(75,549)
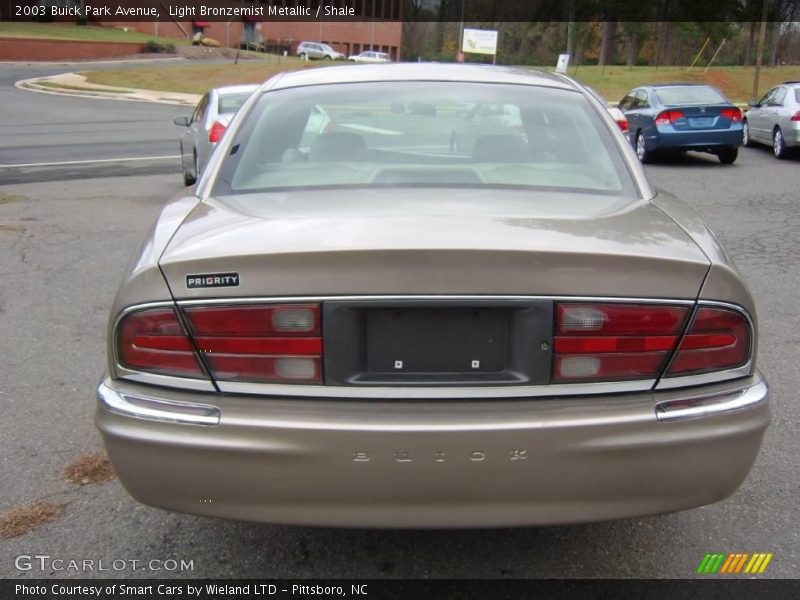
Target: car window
(797,95)
(766,98)
(197,115)
(778,97)
(231,102)
(626,103)
(415,133)
(689,94)
(640,99)
(316,124)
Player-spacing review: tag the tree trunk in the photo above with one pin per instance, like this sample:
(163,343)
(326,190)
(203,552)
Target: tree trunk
(660,39)
(776,39)
(580,43)
(632,49)
(607,43)
(571,29)
(748,51)
(668,39)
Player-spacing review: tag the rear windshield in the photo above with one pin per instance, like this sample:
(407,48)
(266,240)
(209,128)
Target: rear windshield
(424,134)
(797,94)
(689,94)
(230,103)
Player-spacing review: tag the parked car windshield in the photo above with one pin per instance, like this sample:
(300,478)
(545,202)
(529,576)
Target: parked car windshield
(230,103)
(424,134)
(689,94)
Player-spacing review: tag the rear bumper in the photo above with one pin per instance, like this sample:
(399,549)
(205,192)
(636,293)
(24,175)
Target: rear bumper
(667,138)
(792,135)
(479,463)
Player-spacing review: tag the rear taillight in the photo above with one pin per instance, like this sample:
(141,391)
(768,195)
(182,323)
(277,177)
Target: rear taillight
(795,116)
(264,343)
(623,124)
(614,341)
(669,116)
(734,114)
(717,340)
(153,340)
(216,131)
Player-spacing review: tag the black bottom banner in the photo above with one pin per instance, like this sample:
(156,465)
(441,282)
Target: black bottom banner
(412,589)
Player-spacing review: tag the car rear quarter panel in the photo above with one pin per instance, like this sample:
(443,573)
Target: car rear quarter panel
(723,281)
(143,281)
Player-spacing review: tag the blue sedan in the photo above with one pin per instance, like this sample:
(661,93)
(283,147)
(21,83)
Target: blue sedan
(682,116)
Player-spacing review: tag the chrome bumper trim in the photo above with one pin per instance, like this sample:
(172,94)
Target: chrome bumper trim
(157,410)
(706,406)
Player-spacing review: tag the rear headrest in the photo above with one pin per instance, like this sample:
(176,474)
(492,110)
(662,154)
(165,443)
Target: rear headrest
(338,146)
(501,148)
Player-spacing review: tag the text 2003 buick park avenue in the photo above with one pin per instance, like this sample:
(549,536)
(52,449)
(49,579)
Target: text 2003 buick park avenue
(396,332)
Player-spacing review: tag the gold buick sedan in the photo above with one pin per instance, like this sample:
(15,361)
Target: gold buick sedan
(363,325)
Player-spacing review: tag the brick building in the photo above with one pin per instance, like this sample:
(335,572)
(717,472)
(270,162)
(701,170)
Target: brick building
(379,28)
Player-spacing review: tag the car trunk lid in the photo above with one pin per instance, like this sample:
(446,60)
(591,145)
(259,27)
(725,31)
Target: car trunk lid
(431,241)
(703,117)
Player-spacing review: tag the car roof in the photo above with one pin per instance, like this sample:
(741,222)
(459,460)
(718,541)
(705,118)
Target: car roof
(237,89)
(678,84)
(418,72)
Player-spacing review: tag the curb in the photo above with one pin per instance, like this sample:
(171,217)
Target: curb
(67,63)
(29,85)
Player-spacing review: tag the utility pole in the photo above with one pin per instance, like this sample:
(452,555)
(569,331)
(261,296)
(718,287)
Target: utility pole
(760,51)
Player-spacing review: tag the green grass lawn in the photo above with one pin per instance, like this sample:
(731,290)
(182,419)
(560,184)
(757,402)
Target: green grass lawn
(197,78)
(59,31)
(612,82)
(735,82)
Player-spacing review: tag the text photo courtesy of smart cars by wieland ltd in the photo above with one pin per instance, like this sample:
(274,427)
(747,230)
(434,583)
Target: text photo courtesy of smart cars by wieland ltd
(350,304)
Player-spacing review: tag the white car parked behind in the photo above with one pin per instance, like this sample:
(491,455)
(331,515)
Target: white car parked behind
(371,57)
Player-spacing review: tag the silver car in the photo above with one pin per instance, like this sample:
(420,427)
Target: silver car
(318,51)
(345,323)
(775,119)
(205,127)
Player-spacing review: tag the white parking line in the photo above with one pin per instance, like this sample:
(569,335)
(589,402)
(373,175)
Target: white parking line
(89,162)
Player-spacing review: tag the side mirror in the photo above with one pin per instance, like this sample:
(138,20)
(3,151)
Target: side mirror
(752,104)
(182,121)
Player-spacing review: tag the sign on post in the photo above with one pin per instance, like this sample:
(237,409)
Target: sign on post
(480,41)
(562,64)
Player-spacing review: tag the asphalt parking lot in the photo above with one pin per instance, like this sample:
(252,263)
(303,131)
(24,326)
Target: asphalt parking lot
(67,231)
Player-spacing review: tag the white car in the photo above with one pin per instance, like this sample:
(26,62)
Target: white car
(370,57)
(615,112)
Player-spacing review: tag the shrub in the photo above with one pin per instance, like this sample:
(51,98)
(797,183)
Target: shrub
(156,48)
(153,46)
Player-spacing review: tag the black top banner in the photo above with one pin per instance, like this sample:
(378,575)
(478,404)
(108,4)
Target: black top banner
(397,589)
(471,11)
